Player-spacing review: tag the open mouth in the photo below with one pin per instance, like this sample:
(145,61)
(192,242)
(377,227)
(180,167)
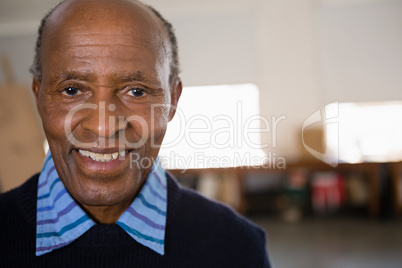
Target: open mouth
(102,157)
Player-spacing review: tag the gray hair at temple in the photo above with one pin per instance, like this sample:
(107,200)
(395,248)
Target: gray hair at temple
(36,68)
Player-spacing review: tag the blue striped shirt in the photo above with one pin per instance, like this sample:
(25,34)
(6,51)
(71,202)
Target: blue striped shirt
(60,220)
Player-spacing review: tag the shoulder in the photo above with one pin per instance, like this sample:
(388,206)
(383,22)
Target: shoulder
(28,187)
(215,229)
(20,201)
(217,215)
(17,221)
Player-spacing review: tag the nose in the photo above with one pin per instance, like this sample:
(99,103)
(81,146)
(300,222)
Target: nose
(104,121)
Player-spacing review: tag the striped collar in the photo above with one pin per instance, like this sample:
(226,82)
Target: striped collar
(60,220)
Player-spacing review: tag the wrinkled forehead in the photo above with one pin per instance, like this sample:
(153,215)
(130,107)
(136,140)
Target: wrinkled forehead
(130,19)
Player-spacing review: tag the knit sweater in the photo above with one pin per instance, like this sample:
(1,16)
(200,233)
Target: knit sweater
(199,233)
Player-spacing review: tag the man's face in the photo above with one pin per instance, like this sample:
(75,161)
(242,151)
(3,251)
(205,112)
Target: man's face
(104,93)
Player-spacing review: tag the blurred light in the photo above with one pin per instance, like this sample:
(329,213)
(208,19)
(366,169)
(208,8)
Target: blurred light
(369,132)
(214,126)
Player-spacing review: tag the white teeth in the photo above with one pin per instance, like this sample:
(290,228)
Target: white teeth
(107,157)
(102,157)
(85,153)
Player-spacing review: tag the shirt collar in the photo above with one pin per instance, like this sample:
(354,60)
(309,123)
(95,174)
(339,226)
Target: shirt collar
(60,220)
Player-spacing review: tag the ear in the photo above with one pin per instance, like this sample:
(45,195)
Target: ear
(35,90)
(175,94)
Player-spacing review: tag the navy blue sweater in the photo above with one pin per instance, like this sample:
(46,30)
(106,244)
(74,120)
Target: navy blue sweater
(199,233)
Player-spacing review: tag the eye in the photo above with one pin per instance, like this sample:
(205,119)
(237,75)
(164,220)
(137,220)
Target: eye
(71,91)
(137,92)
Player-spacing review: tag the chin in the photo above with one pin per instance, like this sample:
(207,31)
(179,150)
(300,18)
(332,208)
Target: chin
(99,191)
(104,199)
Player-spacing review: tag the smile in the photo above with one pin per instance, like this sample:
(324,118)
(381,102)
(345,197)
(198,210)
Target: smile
(102,157)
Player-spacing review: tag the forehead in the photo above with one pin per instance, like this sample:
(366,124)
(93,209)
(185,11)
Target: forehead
(112,26)
(104,14)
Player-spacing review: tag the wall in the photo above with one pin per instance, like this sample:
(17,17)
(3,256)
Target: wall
(360,51)
(302,54)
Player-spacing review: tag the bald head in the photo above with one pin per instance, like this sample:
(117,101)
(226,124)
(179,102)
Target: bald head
(107,13)
(102,12)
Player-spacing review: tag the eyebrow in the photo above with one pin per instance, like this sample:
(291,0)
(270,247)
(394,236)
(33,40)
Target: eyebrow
(70,75)
(137,76)
(133,77)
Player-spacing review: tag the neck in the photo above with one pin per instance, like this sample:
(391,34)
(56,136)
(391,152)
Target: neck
(105,214)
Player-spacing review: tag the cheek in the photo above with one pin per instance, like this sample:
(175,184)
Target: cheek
(151,126)
(161,116)
(52,120)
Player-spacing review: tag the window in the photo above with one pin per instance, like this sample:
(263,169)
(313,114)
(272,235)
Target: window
(215,126)
(369,132)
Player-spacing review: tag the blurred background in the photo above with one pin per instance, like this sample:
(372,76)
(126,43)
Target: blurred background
(291,114)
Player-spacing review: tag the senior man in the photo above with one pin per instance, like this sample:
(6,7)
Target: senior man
(105,78)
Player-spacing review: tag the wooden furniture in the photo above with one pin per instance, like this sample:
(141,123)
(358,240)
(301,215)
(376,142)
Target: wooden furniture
(236,176)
